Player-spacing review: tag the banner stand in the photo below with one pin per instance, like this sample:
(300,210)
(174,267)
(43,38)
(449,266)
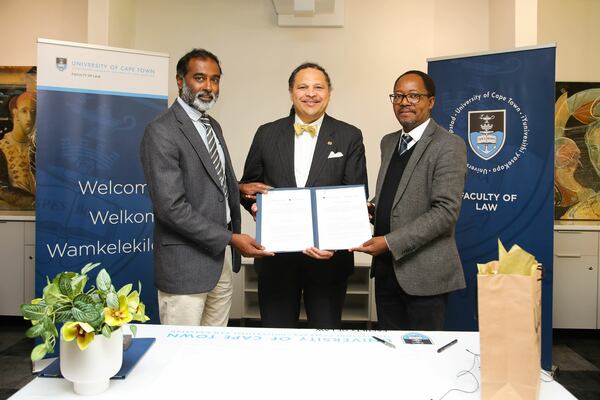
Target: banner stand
(502,105)
(92,205)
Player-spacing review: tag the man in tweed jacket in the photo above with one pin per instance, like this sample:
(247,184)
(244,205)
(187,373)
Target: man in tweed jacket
(417,203)
(197,214)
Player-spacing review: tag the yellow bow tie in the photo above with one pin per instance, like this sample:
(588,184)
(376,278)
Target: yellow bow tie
(301,128)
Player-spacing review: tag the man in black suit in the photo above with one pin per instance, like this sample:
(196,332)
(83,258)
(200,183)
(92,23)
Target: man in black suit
(308,148)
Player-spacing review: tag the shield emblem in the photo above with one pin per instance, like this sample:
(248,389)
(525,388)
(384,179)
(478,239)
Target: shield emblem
(61,63)
(487,132)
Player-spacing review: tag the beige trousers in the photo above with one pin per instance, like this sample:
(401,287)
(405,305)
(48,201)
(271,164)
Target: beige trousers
(206,309)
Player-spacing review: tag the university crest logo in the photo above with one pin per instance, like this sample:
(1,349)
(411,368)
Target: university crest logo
(61,63)
(487,133)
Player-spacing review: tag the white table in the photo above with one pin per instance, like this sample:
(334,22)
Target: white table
(253,363)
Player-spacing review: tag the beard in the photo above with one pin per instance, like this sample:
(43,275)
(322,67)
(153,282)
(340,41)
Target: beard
(194,100)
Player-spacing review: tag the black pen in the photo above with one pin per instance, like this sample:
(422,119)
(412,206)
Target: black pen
(444,347)
(388,344)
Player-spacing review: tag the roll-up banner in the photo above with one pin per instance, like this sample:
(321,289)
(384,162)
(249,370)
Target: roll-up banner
(502,105)
(92,203)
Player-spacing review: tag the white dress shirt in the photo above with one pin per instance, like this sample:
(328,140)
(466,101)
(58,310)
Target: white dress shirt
(195,117)
(304,148)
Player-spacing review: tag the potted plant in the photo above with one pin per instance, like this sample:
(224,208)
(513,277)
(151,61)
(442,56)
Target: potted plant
(91,338)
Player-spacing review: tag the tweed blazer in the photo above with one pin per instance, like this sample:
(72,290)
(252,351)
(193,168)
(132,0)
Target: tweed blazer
(425,210)
(190,224)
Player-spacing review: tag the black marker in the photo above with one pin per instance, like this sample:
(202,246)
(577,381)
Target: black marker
(444,347)
(388,344)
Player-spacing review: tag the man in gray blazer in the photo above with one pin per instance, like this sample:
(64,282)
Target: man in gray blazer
(417,203)
(196,202)
(308,148)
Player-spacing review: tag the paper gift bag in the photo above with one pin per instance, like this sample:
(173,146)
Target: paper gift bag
(510,329)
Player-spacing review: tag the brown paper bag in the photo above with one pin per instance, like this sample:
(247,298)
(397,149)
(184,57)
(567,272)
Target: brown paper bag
(509,330)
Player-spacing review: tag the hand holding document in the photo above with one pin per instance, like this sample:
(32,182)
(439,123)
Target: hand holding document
(284,220)
(330,218)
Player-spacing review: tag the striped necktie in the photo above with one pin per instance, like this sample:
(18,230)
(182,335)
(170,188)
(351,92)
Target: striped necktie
(214,154)
(405,140)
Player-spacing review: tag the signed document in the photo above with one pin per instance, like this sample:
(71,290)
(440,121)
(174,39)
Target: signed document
(329,218)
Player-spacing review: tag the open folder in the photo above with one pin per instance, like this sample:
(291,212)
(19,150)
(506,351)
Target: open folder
(329,218)
(139,347)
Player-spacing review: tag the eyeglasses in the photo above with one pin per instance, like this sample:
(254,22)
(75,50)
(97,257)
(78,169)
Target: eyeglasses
(413,98)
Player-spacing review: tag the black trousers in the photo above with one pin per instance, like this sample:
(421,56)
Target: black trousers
(284,279)
(398,310)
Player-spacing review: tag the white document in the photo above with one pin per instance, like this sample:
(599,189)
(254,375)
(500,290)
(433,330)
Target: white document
(343,218)
(285,220)
(330,218)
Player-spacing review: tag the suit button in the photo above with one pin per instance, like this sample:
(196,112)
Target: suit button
(220,199)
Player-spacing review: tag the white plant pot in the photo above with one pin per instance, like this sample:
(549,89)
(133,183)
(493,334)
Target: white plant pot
(90,370)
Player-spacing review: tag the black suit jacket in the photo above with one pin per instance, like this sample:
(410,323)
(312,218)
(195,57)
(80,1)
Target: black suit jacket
(271,161)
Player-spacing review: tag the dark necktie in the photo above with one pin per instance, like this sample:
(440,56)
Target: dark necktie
(404,142)
(214,154)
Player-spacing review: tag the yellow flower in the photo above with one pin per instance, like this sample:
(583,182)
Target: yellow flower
(133,301)
(137,308)
(140,313)
(114,317)
(83,332)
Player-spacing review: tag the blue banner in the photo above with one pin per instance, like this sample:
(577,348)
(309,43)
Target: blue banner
(502,105)
(92,203)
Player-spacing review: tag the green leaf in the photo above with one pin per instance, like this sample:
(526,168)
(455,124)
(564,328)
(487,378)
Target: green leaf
(88,267)
(84,312)
(84,298)
(50,327)
(78,284)
(52,294)
(34,312)
(38,352)
(103,280)
(106,331)
(96,323)
(50,342)
(83,306)
(35,331)
(63,316)
(133,328)
(112,300)
(64,284)
(125,290)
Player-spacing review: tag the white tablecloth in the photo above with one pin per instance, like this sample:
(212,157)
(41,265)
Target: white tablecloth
(253,363)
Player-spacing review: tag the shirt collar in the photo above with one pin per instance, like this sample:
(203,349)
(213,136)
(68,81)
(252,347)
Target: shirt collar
(316,123)
(417,132)
(189,110)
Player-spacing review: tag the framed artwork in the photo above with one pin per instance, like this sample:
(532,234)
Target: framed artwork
(18,105)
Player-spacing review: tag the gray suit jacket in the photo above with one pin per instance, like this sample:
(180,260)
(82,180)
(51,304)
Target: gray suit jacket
(190,225)
(425,210)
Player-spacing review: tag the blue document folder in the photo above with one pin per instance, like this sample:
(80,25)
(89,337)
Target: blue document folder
(131,356)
